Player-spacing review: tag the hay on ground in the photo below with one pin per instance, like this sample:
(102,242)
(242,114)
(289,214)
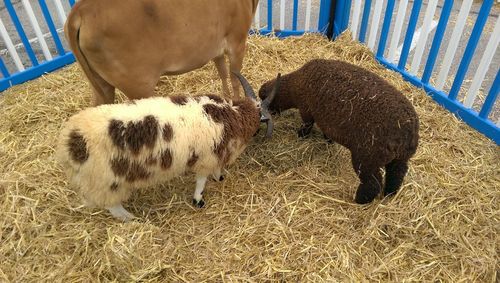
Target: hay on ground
(284,212)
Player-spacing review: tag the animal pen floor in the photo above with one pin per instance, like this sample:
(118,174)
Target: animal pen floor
(284,212)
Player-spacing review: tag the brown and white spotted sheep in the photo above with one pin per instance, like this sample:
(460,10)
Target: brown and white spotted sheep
(357,109)
(109,150)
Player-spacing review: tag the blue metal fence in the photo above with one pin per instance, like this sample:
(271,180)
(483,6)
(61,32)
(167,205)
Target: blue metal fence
(478,119)
(338,23)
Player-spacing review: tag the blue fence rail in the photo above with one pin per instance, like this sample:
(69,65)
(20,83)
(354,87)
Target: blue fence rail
(476,118)
(331,16)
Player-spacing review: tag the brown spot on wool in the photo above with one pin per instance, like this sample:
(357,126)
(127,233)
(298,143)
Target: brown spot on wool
(114,187)
(116,129)
(192,159)
(137,172)
(179,99)
(120,166)
(151,160)
(77,147)
(168,132)
(166,159)
(141,133)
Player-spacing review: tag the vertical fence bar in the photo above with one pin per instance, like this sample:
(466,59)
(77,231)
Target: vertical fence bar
(282,14)
(60,11)
(426,27)
(438,37)
(385,28)
(356,12)
(72,3)
(295,14)
(256,18)
(491,98)
(324,15)
(308,16)
(3,69)
(10,46)
(52,28)
(364,21)
(470,48)
(36,27)
(338,17)
(489,52)
(347,13)
(375,23)
(409,34)
(20,31)
(270,15)
(398,26)
(453,43)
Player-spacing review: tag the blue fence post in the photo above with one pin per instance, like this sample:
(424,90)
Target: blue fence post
(409,34)
(270,15)
(295,14)
(470,48)
(52,28)
(385,28)
(324,20)
(364,21)
(20,31)
(438,38)
(341,16)
(72,3)
(3,69)
(491,98)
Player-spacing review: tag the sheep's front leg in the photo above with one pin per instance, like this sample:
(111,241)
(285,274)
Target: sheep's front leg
(198,193)
(306,128)
(217,176)
(121,213)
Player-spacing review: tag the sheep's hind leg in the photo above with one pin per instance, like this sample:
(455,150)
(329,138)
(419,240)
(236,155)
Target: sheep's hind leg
(371,184)
(121,213)
(198,193)
(395,172)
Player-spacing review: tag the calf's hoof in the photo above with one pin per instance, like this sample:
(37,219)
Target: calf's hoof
(199,204)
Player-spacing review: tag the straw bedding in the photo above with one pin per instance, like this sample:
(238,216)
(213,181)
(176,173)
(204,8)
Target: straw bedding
(284,213)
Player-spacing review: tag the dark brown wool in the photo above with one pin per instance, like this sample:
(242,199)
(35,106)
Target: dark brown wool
(77,147)
(141,133)
(358,110)
(120,166)
(166,159)
(178,99)
(241,124)
(192,159)
(114,187)
(136,172)
(116,129)
(168,133)
(151,160)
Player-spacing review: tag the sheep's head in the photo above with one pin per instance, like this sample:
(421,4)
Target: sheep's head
(265,115)
(276,97)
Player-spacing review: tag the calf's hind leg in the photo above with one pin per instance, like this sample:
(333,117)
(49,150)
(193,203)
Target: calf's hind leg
(395,172)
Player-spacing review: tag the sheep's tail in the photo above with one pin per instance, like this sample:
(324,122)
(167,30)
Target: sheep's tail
(72,29)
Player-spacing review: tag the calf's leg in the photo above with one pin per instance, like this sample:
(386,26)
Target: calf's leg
(236,54)
(220,64)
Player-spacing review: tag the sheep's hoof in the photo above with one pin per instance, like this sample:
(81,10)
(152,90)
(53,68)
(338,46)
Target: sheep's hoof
(199,204)
(328,140)
(221,178)
(303,132)
(364,199)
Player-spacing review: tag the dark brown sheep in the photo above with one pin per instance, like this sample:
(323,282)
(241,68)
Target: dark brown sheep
(358,110)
